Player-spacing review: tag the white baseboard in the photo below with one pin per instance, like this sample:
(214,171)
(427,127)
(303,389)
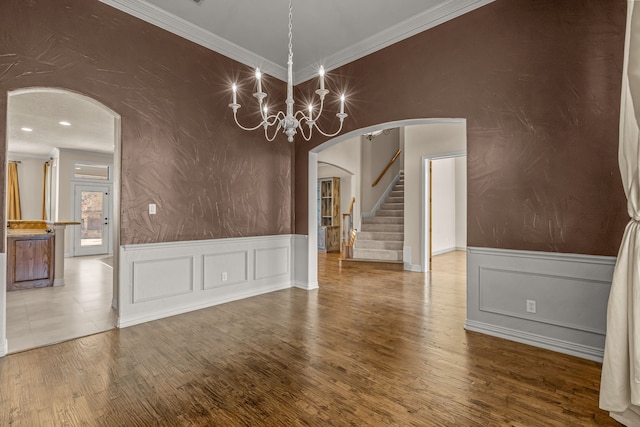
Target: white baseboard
(161,314)
(4,348)
(560,346)
(417,268)
(443,251)
(306,286)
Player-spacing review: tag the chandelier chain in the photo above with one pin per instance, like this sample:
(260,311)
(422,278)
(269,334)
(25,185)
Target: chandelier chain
(290,32)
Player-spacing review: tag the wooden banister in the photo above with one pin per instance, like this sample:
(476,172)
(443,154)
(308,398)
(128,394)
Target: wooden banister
(386,168)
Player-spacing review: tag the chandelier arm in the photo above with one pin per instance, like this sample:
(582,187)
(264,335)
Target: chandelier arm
(235,117)
(330,134)
(321,108)
(274,117)
(302,116)
(275,133)
(306,138)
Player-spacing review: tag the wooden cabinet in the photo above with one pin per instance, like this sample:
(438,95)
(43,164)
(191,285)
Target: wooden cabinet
(329,214)
(30,261)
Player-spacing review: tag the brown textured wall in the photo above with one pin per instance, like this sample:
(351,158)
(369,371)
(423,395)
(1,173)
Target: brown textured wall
(180,149)
(539,84)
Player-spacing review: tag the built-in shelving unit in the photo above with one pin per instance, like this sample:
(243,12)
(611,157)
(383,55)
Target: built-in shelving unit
(329,214)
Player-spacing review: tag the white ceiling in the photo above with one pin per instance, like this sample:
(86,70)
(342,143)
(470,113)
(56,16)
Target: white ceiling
(325,32)
(254,32)
(92,126)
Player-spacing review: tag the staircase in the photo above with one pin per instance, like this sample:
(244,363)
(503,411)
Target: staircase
(382,235)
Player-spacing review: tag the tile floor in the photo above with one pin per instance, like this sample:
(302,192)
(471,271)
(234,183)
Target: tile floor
(42,316)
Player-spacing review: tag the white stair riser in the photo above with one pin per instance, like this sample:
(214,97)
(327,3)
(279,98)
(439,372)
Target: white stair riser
(392,206)
(377,254)
(378,244)
(383,212)
(383,220)
(397,228)
(376,235)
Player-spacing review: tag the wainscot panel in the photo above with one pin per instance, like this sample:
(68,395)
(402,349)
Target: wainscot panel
(164,279)
(271,262)
(550,300)
(225,269)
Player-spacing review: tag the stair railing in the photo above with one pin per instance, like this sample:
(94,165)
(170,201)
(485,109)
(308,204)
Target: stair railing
(386,168)
(348,232)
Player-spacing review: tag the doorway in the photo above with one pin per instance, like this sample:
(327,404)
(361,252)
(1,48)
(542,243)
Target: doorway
(444,205)
(92,211)
(67,128)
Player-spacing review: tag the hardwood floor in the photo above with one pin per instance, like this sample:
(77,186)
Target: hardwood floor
(367,348)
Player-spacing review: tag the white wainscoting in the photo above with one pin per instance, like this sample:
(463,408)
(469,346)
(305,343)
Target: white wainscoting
(164,279)
(4,344)
(570,293)
(301,263)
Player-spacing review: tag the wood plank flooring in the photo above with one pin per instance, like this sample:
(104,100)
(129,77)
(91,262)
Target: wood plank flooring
(369,348)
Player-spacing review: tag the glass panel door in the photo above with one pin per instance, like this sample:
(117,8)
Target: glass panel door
(92,211)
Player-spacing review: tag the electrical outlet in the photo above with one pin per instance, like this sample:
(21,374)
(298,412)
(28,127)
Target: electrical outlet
(531,306)
(224,276)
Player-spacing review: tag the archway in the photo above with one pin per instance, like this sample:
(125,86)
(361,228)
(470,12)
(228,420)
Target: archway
(86,116)
(312,241)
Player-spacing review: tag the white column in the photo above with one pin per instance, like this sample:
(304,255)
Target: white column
(58,275)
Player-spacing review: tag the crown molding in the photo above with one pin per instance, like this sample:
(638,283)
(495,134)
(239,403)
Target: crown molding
(416,24)
(430,18)
(176,25)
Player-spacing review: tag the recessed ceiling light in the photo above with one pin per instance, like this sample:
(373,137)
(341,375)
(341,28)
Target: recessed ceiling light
(26,129)
(65,123)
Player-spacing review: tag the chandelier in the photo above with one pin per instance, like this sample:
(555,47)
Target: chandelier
(289,122)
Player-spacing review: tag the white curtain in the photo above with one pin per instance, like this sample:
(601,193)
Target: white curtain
(620,386)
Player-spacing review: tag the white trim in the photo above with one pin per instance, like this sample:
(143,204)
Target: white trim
(4,348)
(551,256)
(412,267)
(424,202)
(430,18)
(560,346)
(161,314)
(196,243)
(176,25)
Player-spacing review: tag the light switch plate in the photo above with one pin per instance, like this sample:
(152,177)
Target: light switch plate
(152,208)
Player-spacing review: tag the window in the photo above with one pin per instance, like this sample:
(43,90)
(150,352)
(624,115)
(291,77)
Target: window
(94,172)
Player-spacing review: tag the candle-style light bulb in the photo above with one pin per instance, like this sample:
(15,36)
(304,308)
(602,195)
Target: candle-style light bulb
(234,88)
(259,78)
(265,109)
(321,73)
(310,112)
(342,98)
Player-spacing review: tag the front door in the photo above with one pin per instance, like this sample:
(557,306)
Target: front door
(92,210)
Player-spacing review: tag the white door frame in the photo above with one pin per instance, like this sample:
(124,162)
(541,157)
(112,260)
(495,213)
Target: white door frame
(426,232)
(106,188)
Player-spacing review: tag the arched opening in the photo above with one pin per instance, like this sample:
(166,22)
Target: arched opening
(79,139)
(415,261)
